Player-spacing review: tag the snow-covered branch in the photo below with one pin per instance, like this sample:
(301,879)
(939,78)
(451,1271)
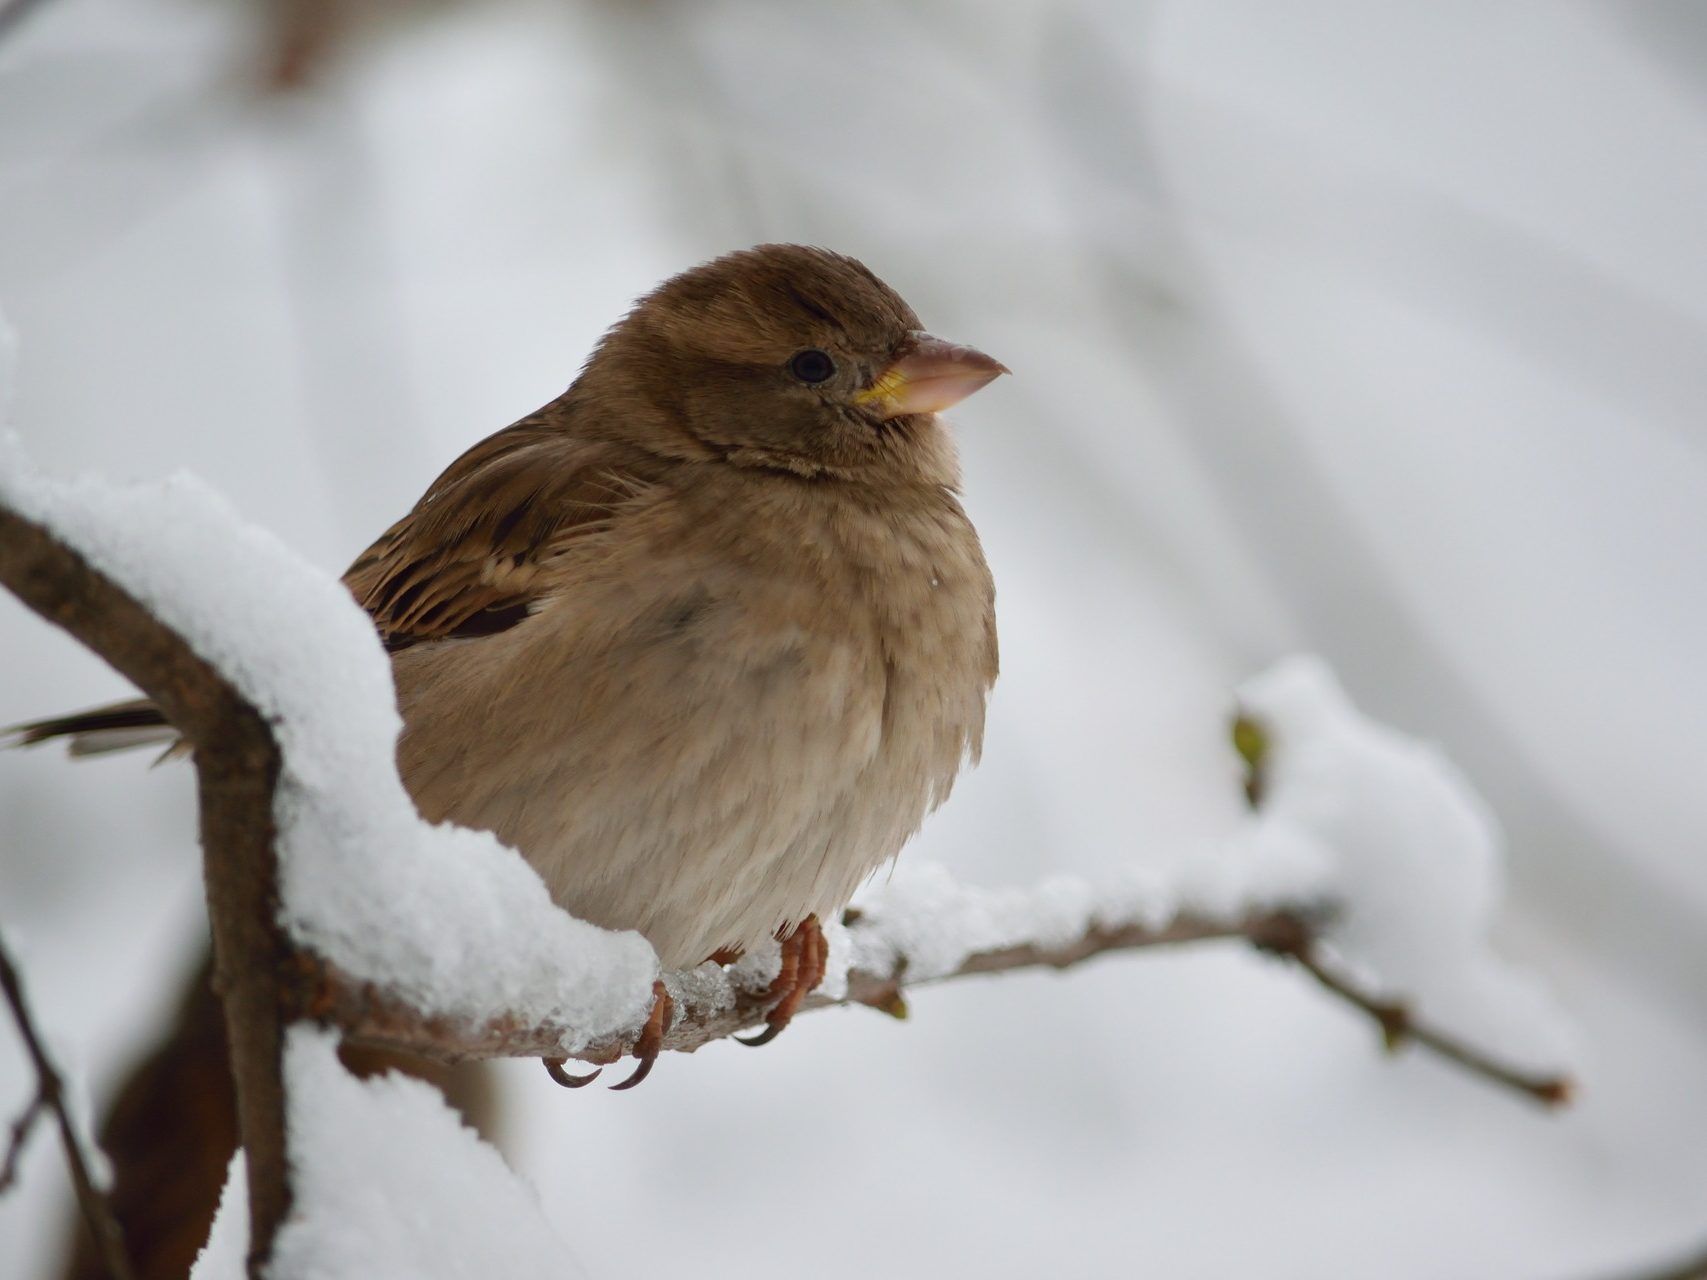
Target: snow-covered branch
(1367,859)
(713,1004)
(237,769)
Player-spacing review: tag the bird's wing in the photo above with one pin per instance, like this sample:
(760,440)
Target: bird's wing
(474,556)
(471,559)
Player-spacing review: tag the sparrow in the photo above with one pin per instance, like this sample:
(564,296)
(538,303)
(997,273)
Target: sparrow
(706,637)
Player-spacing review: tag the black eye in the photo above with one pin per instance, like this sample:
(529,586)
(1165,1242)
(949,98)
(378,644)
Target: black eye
(812,365)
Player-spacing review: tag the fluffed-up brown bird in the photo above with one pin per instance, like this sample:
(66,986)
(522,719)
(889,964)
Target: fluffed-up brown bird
(708,635)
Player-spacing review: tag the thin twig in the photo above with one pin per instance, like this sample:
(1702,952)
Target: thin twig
(1399,1025)
(22,1127)
(50,1095)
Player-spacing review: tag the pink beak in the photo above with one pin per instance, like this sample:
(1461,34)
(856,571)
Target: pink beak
(928,376)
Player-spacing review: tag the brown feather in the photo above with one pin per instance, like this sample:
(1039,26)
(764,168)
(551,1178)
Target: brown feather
(472,558)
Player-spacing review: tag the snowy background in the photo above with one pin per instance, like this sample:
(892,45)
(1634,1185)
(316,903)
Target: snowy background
(1370,330)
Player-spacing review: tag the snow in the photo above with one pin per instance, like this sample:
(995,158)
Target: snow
(387,1183)
(924,914)
(448,918)
(1378,827)
(225,1256)
(1415,858)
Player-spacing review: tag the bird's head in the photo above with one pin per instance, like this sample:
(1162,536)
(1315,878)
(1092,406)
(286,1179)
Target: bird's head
(786,358)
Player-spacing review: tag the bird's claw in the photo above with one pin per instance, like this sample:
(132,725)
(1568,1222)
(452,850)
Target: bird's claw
(805,956)
(771,1032)
(554,1068)
(651,1041)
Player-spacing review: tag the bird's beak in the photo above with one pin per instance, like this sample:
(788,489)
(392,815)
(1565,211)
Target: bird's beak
(928,376)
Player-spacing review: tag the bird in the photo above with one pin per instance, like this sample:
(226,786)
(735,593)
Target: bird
(706,637)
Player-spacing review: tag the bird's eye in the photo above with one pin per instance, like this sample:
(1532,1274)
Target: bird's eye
(812,365)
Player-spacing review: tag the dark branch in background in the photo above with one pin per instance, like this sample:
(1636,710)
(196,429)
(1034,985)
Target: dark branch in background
(22,1127)
(1693,1267)
(266,981)
(50,1100)
(12,13)
(301,35)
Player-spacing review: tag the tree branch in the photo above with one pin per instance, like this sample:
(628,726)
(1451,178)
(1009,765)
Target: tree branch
(237,764)
(1399,1025)
(266,980)
(50,1099)
(712,1005)
(19,1138)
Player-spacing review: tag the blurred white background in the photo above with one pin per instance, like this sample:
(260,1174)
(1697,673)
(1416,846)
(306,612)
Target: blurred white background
(1376,330)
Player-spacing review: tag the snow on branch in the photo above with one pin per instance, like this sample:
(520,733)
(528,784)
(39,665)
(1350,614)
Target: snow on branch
(713,1004)
(1367,859)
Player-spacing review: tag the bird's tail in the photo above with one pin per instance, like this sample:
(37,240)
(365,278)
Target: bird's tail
(117,727)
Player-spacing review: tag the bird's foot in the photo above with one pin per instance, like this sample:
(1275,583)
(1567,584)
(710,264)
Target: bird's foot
(646,1048)
(651,1041)
(805,955)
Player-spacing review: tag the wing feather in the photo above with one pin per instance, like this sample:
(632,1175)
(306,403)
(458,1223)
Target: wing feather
(474,556)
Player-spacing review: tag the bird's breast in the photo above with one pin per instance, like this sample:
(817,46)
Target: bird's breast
(723,726)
